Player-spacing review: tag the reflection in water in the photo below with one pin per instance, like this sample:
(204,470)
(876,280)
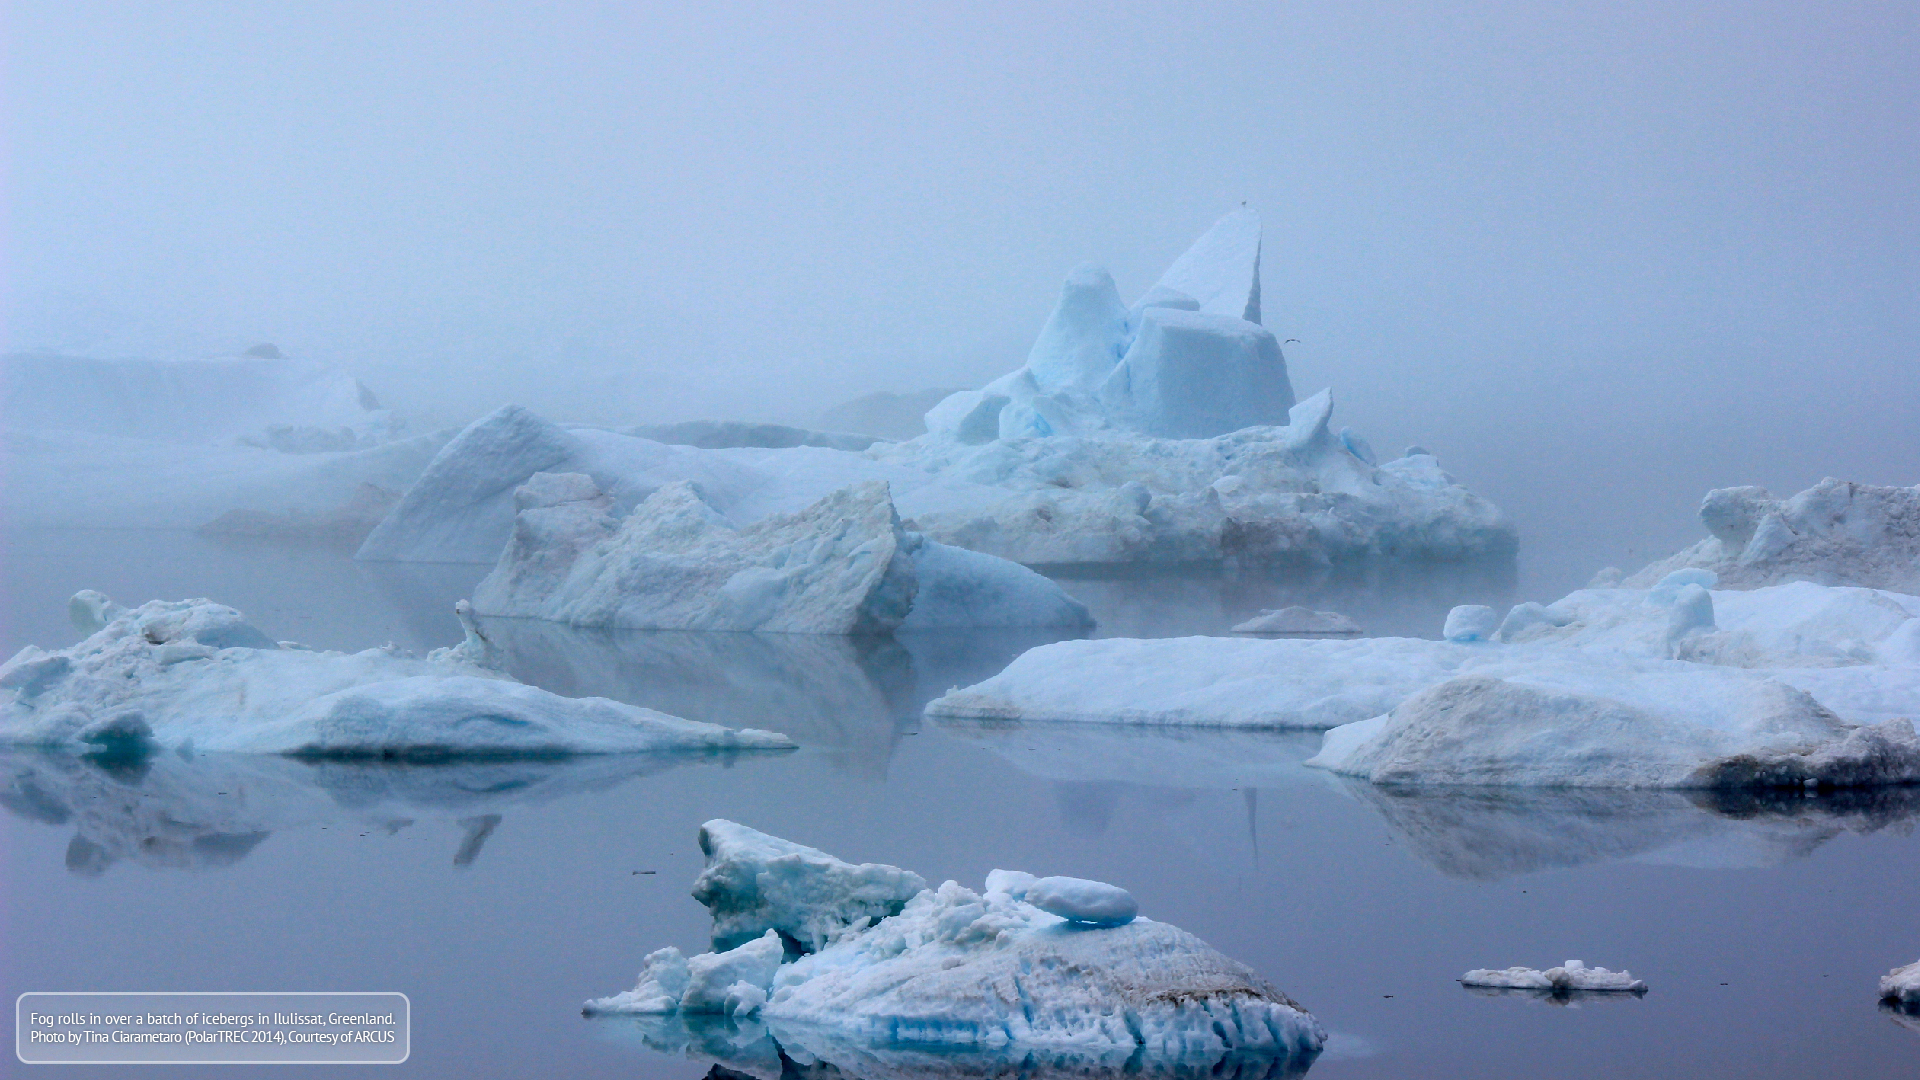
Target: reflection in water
(1384,597)
(851,696)
(1902,1014)
(1489,833)
(778,1051)
(1563,999)
(1168,757)
(208,811)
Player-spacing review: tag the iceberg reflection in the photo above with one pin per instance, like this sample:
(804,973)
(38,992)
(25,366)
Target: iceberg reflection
(1490,833)
(779,1051)
(203,812)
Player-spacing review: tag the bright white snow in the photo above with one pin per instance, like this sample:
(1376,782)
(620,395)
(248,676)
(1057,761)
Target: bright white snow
(1569,977)
(962,971)
(194,674)
(843,565)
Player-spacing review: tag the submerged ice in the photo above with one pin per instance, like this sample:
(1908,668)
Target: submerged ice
(194,674)
(852,955)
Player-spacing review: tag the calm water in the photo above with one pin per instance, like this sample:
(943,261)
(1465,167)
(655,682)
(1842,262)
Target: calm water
(499,896)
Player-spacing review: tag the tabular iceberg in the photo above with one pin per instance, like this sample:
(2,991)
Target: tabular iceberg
(843,565)
(1569,977)
(194,674)
(1675,686)
(1835,533)
(957,971)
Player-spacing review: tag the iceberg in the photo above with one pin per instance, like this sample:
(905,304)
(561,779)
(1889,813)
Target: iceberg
(1902,984)
(1299,622)
(1166,432)
(193,674)
(1834,533)
(1570,977)
(1784,685)
(957,972)
(843,565)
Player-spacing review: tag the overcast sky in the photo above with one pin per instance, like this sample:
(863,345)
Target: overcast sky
(1599,257)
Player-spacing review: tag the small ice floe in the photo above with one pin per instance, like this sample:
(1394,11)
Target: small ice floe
(1300,622)
(1571,977)
(846,960)
(195,674)
(1902,984)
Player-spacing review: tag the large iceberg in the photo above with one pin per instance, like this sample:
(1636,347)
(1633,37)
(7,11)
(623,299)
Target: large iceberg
(194,674)
(1675,686)
(843,565)
(1835,533)
(1165,432)
(952,970)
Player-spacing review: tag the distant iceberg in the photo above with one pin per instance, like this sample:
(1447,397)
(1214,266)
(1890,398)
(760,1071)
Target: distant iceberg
(1902,984)
(194,674)
(843,565)
(867,960)
(1165,432)
(1834,533)
(1573,976)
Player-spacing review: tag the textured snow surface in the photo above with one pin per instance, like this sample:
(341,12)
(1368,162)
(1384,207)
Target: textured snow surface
(843,565)
(1571,976)
(962,971)
(1902,983)
(194,674)
(1300,622)
(1835,533)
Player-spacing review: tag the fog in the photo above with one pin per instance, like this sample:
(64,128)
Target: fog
(1598,258)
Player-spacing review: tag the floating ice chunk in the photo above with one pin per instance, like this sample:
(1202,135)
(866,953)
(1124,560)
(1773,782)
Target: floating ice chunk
(1222,268)
(725,982)
(664,975)
(1615,721)
(754,883)
(1470,622)
(1902,984)
(956,972)
(1300,622)
(1083,338)
(1569,977)
(1193,375)
(1077,900)
(192,672)
(841,566)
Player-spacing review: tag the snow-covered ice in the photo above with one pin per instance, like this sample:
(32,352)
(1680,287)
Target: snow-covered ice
(1902,984)
(1300,622)
(1470,622)
(1835,533)
(843,565)
(195,674)
(1569,977)
(960,971)
(1787,684)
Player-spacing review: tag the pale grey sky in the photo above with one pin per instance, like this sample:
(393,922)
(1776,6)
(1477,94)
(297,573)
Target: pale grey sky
(1600,257)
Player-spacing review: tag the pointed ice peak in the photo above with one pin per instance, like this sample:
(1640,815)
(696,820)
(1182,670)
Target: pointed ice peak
(1082,339)
(1222,268)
